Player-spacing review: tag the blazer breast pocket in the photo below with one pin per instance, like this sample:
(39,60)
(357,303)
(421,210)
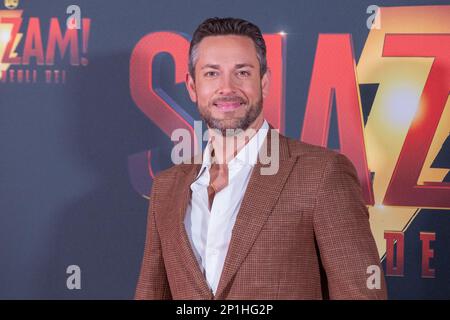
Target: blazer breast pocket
(286,217)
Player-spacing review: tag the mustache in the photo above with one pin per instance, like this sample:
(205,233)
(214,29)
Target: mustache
(229,99)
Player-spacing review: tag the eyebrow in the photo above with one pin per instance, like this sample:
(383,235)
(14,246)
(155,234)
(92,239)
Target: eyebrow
(212,66)
(237,66)
(243,65)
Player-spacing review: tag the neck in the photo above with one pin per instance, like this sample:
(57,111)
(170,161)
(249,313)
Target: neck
(227,147)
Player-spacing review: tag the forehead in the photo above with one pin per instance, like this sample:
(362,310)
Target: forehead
(233,49)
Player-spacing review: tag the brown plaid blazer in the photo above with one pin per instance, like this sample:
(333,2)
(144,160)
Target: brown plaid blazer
(302,233)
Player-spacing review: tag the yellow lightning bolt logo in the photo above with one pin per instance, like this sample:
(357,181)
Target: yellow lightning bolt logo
(401,82)
(5,37)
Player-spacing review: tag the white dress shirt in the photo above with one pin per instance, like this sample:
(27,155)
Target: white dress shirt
(210,232)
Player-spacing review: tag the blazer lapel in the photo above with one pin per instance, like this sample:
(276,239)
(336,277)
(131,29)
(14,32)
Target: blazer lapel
(260,197)
(183,245)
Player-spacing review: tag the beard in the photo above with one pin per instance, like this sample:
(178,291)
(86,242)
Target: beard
(234,125)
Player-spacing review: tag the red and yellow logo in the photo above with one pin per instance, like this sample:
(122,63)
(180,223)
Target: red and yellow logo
(39,53)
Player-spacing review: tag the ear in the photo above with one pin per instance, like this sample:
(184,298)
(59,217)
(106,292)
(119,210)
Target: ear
(190,86)
(265,83)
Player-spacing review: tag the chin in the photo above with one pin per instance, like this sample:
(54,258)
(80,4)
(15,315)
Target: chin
(223,125)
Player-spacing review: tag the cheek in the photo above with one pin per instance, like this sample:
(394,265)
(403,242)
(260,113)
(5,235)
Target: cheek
(253,90)
(205,93)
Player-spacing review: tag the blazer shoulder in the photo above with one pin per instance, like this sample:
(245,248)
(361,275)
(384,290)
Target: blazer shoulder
(167,177)
(317,157)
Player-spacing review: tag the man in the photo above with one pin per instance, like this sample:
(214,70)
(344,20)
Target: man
(224,230)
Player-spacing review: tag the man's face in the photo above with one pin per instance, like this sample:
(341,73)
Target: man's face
(11,4)
(228,87)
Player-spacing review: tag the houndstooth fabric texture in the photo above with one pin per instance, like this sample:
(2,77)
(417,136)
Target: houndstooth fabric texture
(302,233)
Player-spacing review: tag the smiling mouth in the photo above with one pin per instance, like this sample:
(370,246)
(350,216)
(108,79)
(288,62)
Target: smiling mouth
(228,106)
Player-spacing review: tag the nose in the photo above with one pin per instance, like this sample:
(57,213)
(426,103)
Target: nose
(227,85)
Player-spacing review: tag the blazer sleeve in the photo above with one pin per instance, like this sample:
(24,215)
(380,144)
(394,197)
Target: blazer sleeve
(152,283)
(343,235)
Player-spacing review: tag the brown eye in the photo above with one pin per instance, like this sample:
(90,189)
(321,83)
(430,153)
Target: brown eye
(210,73)
(244,73)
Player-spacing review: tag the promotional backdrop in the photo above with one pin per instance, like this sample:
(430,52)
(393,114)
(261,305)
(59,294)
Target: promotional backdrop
(90,92)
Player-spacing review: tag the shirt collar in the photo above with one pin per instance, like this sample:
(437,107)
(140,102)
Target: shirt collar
(248,155)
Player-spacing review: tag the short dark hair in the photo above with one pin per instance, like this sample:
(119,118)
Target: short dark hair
(228,26)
